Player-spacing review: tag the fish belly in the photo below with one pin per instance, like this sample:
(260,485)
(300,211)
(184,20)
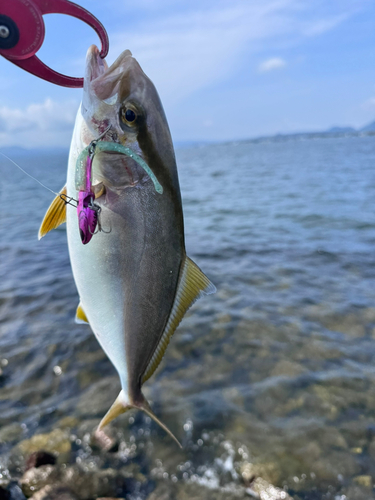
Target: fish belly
(97,276)
(127,277)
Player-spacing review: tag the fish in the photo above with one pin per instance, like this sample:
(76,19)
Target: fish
(134,278)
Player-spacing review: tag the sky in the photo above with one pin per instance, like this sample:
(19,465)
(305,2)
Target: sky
(224,69)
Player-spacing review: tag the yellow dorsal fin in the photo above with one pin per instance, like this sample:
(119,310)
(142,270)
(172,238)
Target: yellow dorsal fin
(192,285)
(55,215)
(81,315)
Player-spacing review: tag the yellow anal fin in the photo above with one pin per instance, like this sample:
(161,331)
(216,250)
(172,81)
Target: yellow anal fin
(81,315)
(193,283)
(121,405)
(55,215)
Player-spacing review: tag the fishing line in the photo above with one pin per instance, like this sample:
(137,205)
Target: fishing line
(64,197)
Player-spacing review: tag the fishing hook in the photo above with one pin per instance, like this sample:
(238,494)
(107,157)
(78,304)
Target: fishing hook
(98,209)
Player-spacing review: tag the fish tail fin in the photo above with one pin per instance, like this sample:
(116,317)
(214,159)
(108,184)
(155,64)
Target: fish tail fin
(121,406)
(144,406)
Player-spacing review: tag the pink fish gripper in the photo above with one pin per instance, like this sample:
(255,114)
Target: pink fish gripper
(22,33)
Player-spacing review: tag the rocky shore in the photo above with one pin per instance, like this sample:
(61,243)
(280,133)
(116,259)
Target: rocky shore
(73,463)
(70,463)
(51,455)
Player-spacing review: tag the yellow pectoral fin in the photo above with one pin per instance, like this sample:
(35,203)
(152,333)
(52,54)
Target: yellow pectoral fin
(81,315)
(55,215)
(192,285)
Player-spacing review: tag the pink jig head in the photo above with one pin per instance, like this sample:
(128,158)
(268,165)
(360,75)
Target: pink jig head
(87,210)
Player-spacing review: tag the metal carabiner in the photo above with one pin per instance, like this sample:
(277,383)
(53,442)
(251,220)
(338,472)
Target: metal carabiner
(22,33)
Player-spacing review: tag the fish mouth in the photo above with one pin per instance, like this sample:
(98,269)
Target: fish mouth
(100,101)
(116,149)
(95,65)
(102,80)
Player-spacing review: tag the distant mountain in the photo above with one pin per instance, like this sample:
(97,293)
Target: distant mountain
(340,130)
(368,128)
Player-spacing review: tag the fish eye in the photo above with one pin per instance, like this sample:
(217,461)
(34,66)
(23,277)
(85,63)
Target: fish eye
(128,116)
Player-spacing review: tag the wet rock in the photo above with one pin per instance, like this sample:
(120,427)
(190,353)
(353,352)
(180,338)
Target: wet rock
(356,493)
(368,314)
(312,451)
(346,396)
(328,467)
(287,368)
(364,481)
(56,492)
(163,491)
(84,484)
(67,423)
(356,431)
(250,471)
(37,478)
(4,481)
(56,442)
(330,437)
(350,324)
(291,405)
(233,396)
(10,433)
(39,458)
(267,491)
(195,491)
(104,483)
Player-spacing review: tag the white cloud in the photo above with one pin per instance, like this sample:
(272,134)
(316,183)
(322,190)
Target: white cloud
(185,52)
(46,124)
(271,64)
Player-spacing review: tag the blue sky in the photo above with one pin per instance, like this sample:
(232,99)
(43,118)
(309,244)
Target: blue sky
(225,69)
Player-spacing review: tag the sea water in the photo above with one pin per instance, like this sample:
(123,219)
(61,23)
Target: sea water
(277,368)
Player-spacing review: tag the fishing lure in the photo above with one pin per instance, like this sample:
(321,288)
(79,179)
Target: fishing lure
(87,210)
